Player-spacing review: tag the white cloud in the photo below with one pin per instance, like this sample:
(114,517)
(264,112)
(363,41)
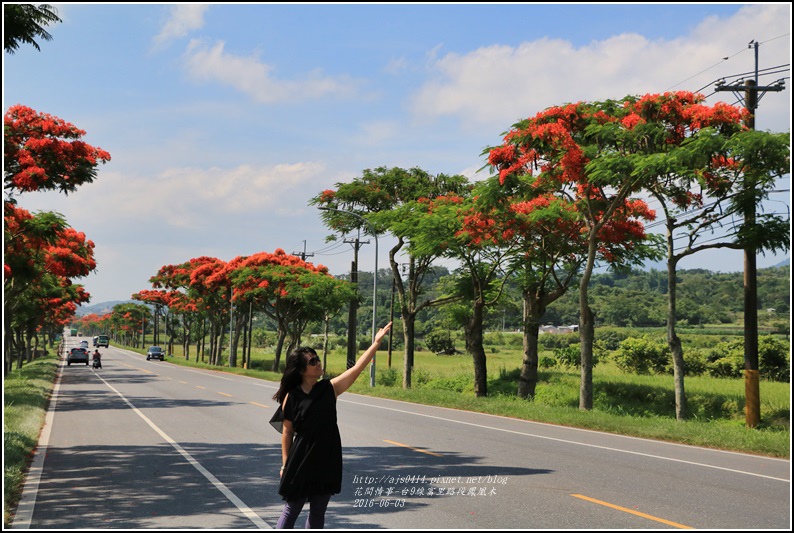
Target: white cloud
(192,197)
(184,19)
(498,85)
(256,79)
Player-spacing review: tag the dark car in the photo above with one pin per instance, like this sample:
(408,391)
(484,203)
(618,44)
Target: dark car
(77,355)
(155,352)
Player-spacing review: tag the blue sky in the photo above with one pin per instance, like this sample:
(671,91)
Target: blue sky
(223,120)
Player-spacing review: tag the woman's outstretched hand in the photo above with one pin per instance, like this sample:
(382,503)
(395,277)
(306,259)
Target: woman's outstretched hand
(382,333)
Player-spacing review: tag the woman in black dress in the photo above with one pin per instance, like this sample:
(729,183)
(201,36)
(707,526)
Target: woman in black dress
(311,448)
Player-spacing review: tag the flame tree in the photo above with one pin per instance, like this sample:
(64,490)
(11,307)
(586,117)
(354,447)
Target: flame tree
(41,253)
(41,256)
(384,197)
(581,152)
(696,165)
(289,290)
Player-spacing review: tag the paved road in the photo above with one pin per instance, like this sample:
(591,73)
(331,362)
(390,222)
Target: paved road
(147,444)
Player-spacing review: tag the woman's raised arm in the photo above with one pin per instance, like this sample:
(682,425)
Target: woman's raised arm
(343,381)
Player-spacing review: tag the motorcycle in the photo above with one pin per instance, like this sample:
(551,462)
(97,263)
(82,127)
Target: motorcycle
(97,362)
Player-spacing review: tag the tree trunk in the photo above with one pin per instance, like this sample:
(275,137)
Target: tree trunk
(674,343)
(409,325)
(474,338)
(586,330)
(528,380)
(282,334)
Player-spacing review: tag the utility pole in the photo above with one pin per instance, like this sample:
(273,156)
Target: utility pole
(303,255)
(752,390)
(352,318)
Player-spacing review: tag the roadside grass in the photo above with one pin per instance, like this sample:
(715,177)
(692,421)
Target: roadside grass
(26,394)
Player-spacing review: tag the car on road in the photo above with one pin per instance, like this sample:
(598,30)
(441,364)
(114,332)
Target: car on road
(77,355)
(84,344)
(155,352)
(102,340)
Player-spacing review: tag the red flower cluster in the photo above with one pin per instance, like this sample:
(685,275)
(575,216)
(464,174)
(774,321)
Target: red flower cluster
(43,152)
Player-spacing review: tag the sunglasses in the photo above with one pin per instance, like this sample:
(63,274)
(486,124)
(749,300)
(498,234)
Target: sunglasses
(314,361)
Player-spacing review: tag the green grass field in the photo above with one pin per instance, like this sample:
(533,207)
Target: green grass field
(642,406)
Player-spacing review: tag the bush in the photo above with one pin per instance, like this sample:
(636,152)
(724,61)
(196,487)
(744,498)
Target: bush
(440,342)
(388,377)
(611,337)
(726,359)
(551,341)
(569,356)
(695,363)
(493,339)
(547,362)
(642,356)
(773,359)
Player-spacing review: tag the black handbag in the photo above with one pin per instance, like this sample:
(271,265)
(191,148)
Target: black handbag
(277,420)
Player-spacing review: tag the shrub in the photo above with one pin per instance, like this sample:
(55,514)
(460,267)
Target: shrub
(641,356)
(773,359)
(695,363)
(388,377)
(726,359)
(551,341)
(440,342)
(568,356)
(611,337)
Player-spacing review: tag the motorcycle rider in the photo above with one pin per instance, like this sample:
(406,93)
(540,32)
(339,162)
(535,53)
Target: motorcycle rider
(97,359)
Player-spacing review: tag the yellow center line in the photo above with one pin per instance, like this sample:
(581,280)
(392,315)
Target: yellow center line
(414,449)
(224,394)
(260,405)
(183,382)
(631,511)
(200,387)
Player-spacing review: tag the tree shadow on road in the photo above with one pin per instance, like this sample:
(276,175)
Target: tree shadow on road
(141,487)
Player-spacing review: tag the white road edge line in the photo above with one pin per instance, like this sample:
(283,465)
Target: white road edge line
(232,497)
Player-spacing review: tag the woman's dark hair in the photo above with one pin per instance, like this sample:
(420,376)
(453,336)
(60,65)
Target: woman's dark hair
(293,367)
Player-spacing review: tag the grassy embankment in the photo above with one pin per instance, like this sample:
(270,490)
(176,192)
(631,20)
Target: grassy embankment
(26,394)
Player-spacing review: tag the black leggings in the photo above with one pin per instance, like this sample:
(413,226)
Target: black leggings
(316,518)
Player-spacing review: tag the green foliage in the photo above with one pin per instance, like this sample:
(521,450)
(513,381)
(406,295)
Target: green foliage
(23,23)
(440,342)
(550,341)
(642,356)
(388,377)
(611,337)
(774,359)
(695,362)
(727,359)
(568,356)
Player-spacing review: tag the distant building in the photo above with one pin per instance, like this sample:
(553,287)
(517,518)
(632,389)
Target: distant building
(558,329)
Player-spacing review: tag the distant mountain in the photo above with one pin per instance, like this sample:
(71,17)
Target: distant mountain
(102,308)
(785,262)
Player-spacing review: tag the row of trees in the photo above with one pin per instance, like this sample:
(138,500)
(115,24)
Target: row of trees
(566,194)
(205,296)
(42,253)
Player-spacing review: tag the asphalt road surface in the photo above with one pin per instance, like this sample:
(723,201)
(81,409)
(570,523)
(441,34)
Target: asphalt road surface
(146,444)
